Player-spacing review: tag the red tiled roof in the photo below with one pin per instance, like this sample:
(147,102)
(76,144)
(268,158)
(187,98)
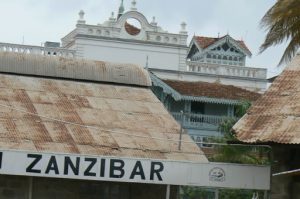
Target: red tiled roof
(132,30)
(205,42)
(212,90)
(243,45)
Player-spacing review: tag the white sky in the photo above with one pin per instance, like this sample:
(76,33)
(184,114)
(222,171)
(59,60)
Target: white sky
(38,21)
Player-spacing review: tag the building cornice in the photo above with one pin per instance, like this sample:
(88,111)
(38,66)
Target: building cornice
(84,36)
(207,75)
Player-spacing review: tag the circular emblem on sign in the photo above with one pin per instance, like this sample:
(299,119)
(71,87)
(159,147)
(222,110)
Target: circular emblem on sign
(217,175)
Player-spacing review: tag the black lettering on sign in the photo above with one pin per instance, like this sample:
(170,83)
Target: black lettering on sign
(154,170)
(36,159)
(114,167)
(70,164)
(1,155)
(92,161)
(138,170)
(102,168)
(52,165)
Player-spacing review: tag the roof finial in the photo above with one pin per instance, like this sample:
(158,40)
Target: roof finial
(153,22)
(183,28)
(112,17)
(121,9)
(81,17)
(133,5)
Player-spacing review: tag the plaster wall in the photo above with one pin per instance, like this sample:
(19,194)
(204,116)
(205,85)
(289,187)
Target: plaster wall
(163,57)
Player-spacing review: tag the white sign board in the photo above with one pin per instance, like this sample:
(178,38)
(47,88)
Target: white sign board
(120,169)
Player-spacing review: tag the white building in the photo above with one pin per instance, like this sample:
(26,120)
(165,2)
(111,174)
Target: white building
(57,90)
(130,38)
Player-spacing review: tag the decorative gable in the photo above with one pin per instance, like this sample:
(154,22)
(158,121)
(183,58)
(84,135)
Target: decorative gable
(224,50)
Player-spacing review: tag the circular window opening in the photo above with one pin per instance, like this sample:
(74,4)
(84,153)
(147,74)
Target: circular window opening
(133,26)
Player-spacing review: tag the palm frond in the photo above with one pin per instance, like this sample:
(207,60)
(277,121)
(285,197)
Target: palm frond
(291,49)
(282,21)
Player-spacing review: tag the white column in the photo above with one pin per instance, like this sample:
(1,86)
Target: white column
(217,194)
(30,187)
(168,192)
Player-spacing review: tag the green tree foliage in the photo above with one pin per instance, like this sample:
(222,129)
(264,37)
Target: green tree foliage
(237,194)
(282,21)
(226,126)
(188,192)
(241,154)
(232,154)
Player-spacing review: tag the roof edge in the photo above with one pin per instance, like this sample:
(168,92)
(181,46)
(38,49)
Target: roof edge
(79,69)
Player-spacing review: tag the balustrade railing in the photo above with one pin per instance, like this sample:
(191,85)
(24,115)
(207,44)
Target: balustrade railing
(228,70)
(190,120)
(28,49)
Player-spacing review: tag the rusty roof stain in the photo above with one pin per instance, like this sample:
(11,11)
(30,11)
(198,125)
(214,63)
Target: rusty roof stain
(275,117)
(123,120)
(212,90)
(79,69)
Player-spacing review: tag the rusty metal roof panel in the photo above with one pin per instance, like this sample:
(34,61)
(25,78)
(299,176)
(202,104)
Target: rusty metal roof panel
(275,117)
(52,115)
(21,63)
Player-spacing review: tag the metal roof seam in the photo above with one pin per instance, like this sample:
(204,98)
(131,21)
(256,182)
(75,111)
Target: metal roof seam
(79,69)
(112,131)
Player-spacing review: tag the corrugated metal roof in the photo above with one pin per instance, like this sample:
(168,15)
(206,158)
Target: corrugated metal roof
(275,117)
(80,69)
(121,119)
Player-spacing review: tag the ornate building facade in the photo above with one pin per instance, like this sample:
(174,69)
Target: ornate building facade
(206,67)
